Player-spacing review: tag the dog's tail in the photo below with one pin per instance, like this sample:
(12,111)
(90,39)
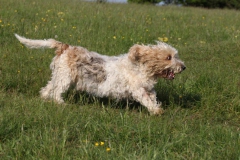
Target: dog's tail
(49,43)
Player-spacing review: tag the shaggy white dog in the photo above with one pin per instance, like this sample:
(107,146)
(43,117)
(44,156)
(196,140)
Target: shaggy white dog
(132,75)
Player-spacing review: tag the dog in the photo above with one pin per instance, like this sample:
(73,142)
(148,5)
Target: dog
(127,76)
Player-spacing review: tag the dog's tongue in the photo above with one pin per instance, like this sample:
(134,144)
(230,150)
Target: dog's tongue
(171,75)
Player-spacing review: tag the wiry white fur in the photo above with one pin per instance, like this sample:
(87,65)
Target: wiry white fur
(131,75)
(50,43)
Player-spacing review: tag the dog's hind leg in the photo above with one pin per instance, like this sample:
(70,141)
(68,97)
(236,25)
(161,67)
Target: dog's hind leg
(54,89)
(60,82)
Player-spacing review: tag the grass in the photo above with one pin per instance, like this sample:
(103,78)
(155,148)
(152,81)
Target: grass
(202,104)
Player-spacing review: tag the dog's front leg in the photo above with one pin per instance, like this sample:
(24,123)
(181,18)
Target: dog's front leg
(149,100)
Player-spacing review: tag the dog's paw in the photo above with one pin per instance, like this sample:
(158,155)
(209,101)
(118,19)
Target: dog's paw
(156,111)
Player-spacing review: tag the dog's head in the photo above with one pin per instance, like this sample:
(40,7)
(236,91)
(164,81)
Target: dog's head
(159,60)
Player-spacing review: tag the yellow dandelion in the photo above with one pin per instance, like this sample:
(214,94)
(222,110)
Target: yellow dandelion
(101,143)
(114,37)
(165,39)
(18,71)
(0,21)
(160,38)
(96,144)
(74,27)
(36,28)
(60,13)
(108,149)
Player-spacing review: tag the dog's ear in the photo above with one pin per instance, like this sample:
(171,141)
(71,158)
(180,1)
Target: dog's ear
(134,53)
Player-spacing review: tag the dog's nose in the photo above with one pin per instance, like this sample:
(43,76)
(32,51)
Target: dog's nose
(183,67)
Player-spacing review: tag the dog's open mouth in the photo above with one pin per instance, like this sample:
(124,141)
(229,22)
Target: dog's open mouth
(168,74)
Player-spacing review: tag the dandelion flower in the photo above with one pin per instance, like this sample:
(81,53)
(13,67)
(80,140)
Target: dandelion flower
(60,13)
(108,149)
(165,39)
(101,143)
(36,28)
(114,37)
(96,144)
(160,38)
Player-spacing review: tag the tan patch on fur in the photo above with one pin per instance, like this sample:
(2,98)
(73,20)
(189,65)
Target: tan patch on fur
(61,47)
(82,63)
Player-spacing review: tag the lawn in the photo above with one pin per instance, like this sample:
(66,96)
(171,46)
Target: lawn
(202,104)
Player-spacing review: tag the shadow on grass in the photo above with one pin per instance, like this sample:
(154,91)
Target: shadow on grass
(170,94)
(83,98)
(188,100)
(167,95)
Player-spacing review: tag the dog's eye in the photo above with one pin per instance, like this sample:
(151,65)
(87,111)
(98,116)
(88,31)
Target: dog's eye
(169,57)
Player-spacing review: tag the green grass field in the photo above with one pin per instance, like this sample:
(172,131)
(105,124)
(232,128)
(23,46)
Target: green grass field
(202,118)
